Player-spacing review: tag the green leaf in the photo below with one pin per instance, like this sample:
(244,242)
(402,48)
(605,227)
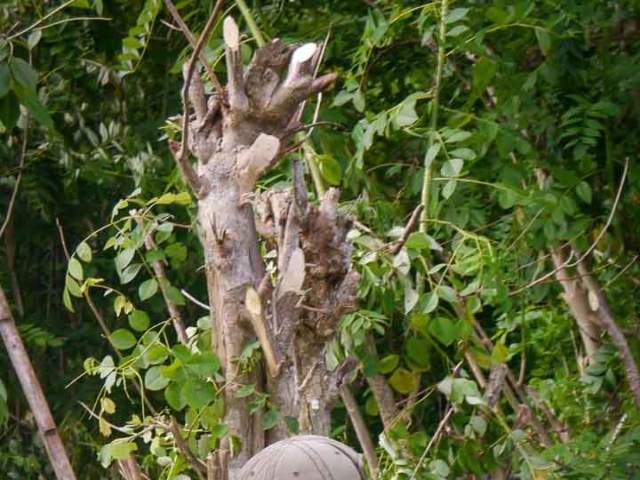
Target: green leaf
(148,289)
(245,391)
(9,110)
(175,295)
(447,293)
(220,430)
(417,350)
(199,393)
(23,74)
(544,40)
(483,73)
(177,252)
(449,188)
(139,320)
(84,252)
(455,15)
(123,259)
(33,39)
(407,114)
(31,102)
(432,153)
(154,255)
(5,77)
(270,419)
(584,192)
(66,299)
(479,424)
(156,355)
(418,241)
(330,169)
(175,397)
(130,273)
(121,449)
(203,364)
(432,302)
(457,31)
(122,339)
(463,153)
(403,381)
(457,136)
(443,329)
(499,354)
(75,269)
(292,424)
(73,287)
(153,380)
(119,304)
(388,364)
(359,101)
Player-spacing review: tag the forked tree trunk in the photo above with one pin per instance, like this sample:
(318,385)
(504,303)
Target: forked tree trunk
(33,391)
(237,136)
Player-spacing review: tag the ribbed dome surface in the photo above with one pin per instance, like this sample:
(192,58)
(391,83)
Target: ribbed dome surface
(307,457)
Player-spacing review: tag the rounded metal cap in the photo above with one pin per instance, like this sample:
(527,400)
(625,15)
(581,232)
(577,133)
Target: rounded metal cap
(307,457)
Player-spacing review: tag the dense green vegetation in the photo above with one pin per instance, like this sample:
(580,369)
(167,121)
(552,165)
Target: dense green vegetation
(513,123)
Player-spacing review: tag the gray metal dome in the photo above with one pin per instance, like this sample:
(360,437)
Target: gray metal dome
(307,457)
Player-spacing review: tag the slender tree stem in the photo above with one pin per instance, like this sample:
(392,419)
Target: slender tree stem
(309,156)
(251,22)
(435,106)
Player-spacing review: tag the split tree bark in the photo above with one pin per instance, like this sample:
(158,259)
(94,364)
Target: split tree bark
(294,308)
(33,391)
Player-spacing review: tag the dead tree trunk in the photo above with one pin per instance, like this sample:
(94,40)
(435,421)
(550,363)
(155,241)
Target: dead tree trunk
(33,391)
(238,135)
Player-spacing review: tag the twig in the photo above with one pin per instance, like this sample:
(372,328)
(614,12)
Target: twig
(62,240)
(93,414)
(433,439)
(308,126)
(617,430)
(191,298)
(161,275)
(184,449)
(603,311)
(396,246)
(23,156)
(189,75)
(308,376)
(567,263)
(40,21)
(187,33)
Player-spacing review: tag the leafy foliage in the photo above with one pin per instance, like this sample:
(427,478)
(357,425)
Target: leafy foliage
(520,88)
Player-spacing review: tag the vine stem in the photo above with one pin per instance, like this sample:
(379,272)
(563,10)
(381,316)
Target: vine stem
(433,125)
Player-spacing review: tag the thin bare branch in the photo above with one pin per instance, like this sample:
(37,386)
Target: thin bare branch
(163,282)
(567,263)
(194,300)
(184,449)
(187,33)
(23,156)
(415,216)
